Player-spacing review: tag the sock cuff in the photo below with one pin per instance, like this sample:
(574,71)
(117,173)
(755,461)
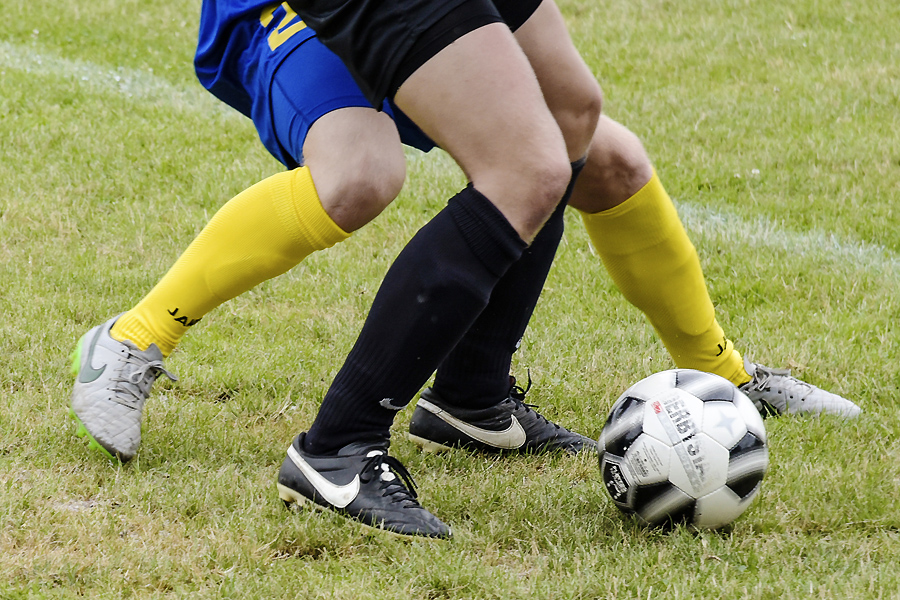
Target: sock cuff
(298,206)
(486,231)
(643,220)
(129,326)
(739,375)
(577,166)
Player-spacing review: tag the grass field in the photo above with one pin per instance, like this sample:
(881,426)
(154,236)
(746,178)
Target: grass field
(775,128)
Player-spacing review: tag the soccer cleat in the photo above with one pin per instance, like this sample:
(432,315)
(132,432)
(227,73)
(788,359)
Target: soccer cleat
(775,391)
(510,426)
(112,383)
(361,482)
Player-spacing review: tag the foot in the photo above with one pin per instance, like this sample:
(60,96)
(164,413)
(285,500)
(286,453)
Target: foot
(775,391)
(112,383)
(361,482)
(510,426)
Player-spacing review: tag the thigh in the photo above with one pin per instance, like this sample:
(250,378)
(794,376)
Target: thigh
(568,85)
(480,101)
(308,84)
(383,41)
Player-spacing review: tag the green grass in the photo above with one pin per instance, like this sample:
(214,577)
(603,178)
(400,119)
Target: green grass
(773,126)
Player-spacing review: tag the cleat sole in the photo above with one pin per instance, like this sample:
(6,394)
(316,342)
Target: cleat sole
(289,496)
(428,445)
(82,432)
(292,499)
(75,357)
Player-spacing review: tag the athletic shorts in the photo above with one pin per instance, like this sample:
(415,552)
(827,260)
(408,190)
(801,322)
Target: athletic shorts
(383,42)
(293,85)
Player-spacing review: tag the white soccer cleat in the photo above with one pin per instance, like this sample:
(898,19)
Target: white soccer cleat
(776,391)
(113,381)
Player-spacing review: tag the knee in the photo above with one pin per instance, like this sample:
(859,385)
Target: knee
(577,120)
(553,175)
(617,167)
(366,186)
(550,176)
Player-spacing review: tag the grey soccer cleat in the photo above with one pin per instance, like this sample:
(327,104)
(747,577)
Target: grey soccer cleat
(112,383)
(775,391)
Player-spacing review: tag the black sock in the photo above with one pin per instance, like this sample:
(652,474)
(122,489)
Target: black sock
(476,373)
(431,295)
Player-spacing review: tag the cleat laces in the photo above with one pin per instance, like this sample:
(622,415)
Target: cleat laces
(517,396)
(789,387)
(133,388)
(386,468)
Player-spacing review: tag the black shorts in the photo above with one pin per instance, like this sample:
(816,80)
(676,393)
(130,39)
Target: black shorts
(383,42)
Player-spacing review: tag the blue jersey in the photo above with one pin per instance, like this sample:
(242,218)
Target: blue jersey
(227,29)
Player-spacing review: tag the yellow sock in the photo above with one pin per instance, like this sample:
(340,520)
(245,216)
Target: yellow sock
(262,232)
(651,259)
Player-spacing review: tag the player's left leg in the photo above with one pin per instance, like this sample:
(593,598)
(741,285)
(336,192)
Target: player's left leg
(637,232)
(353,152)
(474,403)
(261,233)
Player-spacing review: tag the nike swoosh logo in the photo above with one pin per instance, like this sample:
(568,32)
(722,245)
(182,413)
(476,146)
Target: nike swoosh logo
(87,373)
(508,439)
(338,496)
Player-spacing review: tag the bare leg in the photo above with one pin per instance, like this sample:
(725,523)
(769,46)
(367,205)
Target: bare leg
(569,88)
(357,162)
(506,140)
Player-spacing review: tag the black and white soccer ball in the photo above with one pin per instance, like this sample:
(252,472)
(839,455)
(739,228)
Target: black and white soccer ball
(683,447)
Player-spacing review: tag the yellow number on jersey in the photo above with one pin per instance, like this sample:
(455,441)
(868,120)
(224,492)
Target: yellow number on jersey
(289,25)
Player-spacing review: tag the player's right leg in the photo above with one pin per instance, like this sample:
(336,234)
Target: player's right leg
(567,83)
(636,231)
(353,153)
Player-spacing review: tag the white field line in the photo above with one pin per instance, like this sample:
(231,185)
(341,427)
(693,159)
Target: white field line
(131,83)
(704,223)
(701,221)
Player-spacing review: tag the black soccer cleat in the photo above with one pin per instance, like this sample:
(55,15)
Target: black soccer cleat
(510,426)
(362,482)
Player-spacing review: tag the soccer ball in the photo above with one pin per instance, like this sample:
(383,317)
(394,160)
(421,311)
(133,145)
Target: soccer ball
(683,446)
